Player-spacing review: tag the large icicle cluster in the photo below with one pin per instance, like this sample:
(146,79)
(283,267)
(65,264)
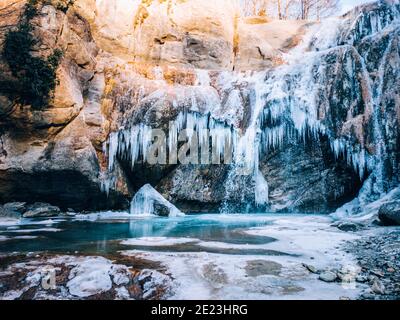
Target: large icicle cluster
(286,104)
(133,143)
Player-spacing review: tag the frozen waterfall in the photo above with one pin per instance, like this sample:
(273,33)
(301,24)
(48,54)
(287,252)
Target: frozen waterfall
(285,106)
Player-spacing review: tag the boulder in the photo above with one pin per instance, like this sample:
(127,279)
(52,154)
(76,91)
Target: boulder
(311,268)
(377,287)
(13,210)
(161,210)
(349,227)
(328,276)
(389,214)
(41,210)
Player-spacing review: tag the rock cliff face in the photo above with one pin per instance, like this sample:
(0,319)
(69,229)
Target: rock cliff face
(314,115)
(54,153)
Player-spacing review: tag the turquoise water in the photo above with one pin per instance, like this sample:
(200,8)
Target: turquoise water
(103,236)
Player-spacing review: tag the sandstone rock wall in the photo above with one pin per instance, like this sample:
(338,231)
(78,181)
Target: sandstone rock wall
(54,154)
(191,33)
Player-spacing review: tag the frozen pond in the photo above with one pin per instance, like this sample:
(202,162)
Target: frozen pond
(99,233)
(205,256)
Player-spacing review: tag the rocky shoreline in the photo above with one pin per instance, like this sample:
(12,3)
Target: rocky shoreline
(377,253)
(379,259)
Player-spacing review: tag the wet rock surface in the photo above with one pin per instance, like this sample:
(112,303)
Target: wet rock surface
(13,210)
(40,210)
(18,210)
(349,226)
(389,214)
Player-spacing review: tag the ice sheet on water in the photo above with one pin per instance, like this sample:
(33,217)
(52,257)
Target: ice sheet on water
(33,230)
(158,241)
(9,222)
(25,237)
(47,222)
(107,215)
(197,275)
(312,235)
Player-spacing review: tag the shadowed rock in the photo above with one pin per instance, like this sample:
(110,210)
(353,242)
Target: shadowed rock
(389,214)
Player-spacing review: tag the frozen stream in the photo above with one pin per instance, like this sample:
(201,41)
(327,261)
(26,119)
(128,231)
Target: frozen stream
(206,256)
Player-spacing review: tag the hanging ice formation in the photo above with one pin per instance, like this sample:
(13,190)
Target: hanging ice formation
(132,144)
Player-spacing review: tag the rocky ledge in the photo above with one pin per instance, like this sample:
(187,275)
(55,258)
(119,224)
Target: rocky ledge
(378,266)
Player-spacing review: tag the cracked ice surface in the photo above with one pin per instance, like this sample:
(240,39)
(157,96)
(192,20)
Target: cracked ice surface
(304,239)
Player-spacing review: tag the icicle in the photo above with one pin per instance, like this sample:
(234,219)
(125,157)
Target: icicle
(113,146)
(261,190)
(355,157)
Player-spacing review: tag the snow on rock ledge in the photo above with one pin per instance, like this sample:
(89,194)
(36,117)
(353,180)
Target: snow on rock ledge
(90,277)
(148,201)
